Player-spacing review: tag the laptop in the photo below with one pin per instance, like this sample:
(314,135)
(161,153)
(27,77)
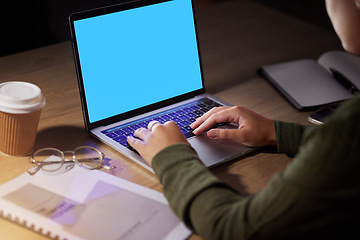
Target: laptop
(137,62)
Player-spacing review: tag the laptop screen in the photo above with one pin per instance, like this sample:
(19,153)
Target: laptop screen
(137,57)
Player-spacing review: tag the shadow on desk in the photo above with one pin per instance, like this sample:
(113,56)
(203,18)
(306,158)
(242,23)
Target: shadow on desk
(63,138)
(250,173)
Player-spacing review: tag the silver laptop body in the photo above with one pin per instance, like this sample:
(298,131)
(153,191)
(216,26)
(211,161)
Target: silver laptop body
(135,61)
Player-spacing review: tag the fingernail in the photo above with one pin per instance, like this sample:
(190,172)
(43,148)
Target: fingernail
(212,134)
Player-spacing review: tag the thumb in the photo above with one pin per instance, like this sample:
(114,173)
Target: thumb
(225,134)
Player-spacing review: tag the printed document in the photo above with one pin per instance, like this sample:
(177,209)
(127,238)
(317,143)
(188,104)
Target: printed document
(89,204)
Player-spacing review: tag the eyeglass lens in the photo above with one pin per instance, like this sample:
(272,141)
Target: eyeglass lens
(50,159)
(88,157)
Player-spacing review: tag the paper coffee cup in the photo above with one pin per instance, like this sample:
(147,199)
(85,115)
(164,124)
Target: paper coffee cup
(20,108)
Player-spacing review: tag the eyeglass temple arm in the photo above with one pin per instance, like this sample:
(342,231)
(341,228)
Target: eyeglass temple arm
(104,164)
(39,165)
(34,170)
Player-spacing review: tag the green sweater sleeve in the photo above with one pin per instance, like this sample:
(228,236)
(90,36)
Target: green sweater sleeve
(211,208)
(196,196)
(315,197)
(183,175)
(288,136)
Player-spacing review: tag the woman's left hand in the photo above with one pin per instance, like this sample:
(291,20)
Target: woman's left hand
(158,136)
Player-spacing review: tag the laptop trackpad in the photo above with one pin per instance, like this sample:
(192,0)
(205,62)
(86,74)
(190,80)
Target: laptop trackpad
(212,152)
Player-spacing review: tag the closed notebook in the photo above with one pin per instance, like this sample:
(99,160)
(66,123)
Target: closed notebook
(307,83)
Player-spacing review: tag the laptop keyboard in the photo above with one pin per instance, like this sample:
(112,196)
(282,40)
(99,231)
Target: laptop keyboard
(183,116)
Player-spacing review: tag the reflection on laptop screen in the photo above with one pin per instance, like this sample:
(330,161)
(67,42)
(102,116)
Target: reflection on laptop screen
(137,57)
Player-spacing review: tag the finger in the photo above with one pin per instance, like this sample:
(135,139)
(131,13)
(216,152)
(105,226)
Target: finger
(224,134)
(152,124)
(217,117)
(205,116)
(135,143)
(236,135)
(142,133)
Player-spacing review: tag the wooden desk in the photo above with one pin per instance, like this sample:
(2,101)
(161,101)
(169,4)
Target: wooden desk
(235,37)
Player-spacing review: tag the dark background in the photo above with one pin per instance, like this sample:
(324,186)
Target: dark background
(31,24)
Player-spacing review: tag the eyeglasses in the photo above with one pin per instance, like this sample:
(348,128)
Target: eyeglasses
(52,159)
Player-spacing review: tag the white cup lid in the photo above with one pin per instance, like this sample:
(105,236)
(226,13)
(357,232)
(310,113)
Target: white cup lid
(20,97)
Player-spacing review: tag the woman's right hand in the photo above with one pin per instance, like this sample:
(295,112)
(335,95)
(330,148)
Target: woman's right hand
(253,129)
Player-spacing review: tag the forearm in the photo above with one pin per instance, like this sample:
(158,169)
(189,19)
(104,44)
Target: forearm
(182,176)
(203,202)
(211,208)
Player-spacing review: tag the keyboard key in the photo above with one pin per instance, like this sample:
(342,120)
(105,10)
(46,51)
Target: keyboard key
(180,112)
(173,114)
(201,105)
(124,143)
(111,134)
(188,134)
(194,108)
(206,109)
(191,115)
(212,104)
(129,134)
(166,117)
(185,123)
(120,138)
(119,132)
(162,121)
(157,119)
(186,129)
(127,130)
(176,119)
(187,110)
(134,127)
(191,120)
(184,117)
(143,124)
(198,113)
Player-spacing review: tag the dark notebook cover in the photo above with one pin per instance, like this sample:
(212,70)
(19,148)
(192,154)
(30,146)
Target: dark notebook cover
(307,83)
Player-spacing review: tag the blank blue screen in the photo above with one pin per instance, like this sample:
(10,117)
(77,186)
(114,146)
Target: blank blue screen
(137,57)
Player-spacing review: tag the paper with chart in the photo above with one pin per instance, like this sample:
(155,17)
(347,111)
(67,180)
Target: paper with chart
(91,205)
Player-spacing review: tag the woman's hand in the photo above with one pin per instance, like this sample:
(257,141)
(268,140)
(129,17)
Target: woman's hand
(158,136)
(253,130)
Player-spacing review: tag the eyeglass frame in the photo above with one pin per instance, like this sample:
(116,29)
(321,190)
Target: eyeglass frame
(39,164)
